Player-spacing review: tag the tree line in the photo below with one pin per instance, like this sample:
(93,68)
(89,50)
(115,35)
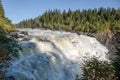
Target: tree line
(91,20)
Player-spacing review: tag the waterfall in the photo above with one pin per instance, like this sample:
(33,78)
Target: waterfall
(53,55)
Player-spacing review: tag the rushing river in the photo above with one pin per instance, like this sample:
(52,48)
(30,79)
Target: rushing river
(53,55)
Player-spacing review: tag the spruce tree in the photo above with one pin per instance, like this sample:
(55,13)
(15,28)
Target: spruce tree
(5,24)
(1,10)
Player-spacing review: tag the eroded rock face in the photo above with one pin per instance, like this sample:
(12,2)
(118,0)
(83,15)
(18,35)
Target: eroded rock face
(111,41)
(114,45)
(18,34)
(24,32)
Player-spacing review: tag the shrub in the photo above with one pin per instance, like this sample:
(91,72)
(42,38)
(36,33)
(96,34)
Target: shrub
(94,69)
(9,49)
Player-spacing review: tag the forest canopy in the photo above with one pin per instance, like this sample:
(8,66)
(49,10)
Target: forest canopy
(92,20)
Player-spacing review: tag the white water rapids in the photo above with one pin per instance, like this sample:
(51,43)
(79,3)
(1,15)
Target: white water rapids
(53,55)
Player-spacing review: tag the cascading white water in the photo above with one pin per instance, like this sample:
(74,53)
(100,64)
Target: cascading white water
(53,55)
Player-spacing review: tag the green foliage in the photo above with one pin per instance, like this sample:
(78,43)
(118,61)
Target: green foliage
(6,28)
(8,46)
(9,49)
(96,20)
(1,10)
(95,69)
(5,23)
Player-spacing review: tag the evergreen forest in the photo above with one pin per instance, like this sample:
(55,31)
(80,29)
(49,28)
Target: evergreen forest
(105,20)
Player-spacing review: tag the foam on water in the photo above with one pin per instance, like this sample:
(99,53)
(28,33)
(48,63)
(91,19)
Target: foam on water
(54,55)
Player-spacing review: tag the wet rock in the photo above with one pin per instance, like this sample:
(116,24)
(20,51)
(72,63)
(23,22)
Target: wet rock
(14,34)
(10,78)
(24,32)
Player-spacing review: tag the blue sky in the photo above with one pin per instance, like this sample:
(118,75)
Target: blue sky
(18,10)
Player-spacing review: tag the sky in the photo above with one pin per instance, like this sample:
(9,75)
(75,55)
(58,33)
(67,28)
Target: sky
(18,10)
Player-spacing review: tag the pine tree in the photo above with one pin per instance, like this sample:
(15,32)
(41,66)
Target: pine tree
(95,21)
(5,24)
(1,10)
